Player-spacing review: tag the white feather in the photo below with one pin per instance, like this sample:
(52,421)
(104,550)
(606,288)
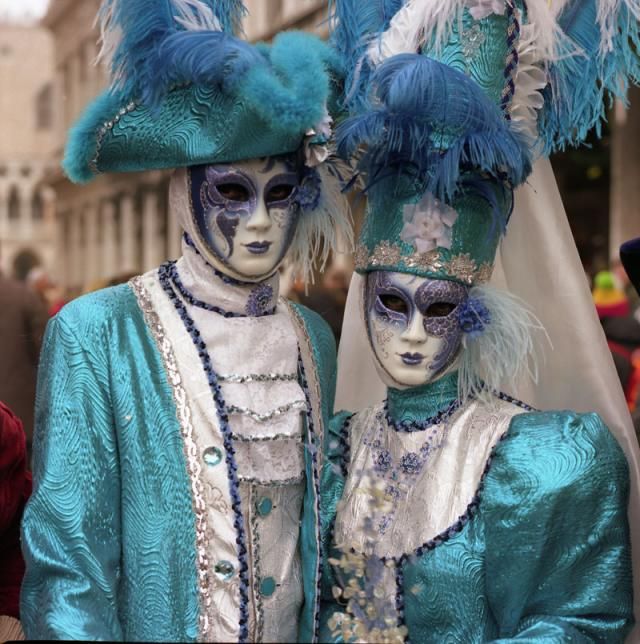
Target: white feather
(326,230)
(194,15)
(504,351)
(608,19)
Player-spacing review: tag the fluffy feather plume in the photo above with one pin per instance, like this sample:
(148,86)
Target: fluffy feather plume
(582,87)
(325,230)
(428,116)
(355,24)
(504,350)
(133,32)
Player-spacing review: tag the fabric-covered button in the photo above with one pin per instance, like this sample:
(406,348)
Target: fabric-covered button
(267,586)
(224,569)
(212,456)
(264,506)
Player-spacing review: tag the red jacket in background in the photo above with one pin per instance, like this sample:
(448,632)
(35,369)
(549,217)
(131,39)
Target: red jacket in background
(15,488)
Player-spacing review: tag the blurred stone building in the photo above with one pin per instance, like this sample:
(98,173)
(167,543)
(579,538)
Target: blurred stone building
(27,226)
(120,224)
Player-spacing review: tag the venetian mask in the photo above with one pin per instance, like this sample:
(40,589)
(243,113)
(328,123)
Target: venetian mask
(413,325)
(245,214)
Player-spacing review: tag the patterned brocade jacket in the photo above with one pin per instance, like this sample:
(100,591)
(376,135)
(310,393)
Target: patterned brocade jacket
(156,515)
(516,530)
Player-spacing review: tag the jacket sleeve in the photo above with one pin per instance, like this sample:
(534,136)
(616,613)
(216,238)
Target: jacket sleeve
(557,535)
(71,527)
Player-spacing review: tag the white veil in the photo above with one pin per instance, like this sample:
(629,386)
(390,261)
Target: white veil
(538,261)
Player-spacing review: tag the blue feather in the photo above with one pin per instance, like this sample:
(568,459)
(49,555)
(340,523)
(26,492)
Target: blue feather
(355,23)
(583,87)
(427,116)
(136,29)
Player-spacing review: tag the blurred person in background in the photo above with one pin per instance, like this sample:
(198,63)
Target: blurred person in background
(46,289)
(326,297)
(621,329)
(22,323)
(630,256)
(15,488)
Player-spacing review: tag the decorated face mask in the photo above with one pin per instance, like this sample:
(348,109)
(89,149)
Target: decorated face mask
(413,325)
(245,214)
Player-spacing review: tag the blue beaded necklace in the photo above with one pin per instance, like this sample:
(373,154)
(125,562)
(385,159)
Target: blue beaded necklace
(410,426)
(172,272)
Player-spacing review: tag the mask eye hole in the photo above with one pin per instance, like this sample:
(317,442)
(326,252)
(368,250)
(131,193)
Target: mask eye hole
(393,303)
(233,191)
(439,309)
(279,193)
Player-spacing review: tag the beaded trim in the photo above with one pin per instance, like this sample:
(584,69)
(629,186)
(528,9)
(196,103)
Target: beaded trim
(387,255)
(257,572)
(258,377)
(345,444)
(313,450)
(183,413)
(264,439)
(262,418)
(106,127)
(294,480)
(410,426)
(511,66)
(399,576)
(172,272)
(232,468)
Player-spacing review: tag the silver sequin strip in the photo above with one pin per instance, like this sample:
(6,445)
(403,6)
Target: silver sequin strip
(267,438)
(259,377)
(262,418)
(183,413)
(257,570)
(102,132)
(296,480)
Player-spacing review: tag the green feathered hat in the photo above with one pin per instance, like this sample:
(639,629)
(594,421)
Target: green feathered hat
(185,91)
(448,104)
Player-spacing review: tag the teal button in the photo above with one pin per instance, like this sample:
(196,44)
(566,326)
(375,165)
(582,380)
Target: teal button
(224,569)
(212,456)
(267,586)
(264,506)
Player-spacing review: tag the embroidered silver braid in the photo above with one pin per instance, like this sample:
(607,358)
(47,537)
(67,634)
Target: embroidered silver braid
(254,481)
(269,437)
(183,413)
(261,418)
(257,572)
(258,377)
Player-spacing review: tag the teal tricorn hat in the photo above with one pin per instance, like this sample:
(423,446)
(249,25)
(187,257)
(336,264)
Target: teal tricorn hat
(185,91)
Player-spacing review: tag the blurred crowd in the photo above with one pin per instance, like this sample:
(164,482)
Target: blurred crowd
(618,306)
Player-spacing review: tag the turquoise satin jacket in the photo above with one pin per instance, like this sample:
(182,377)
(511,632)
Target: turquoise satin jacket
(544,556)
(109,533)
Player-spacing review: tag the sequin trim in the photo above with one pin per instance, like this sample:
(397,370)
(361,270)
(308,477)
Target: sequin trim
(102,131)
(298,405)
(345,445)
(295,480)
(183,413)
(399,578)
(387,255)
(264,439)
(257,571)
(232,467)
(313,448)
(258,377)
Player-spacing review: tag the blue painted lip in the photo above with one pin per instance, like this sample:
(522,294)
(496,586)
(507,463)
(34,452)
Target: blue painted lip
(412,359)
(258,248)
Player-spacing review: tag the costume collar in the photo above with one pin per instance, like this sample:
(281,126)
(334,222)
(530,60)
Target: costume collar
(420,403)
(206,284)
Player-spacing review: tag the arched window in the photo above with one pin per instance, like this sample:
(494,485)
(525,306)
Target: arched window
(14,204)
